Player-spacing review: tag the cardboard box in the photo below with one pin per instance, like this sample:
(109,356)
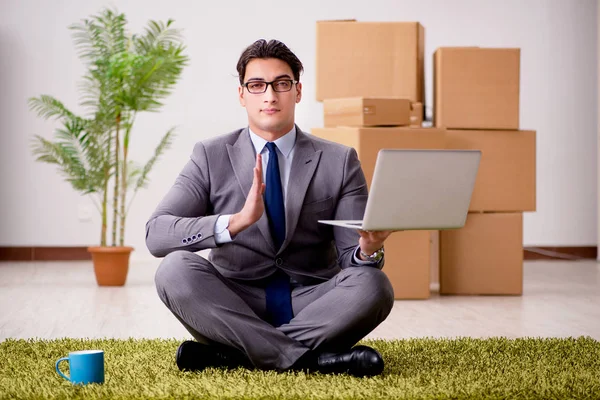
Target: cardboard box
(416,114)
(483,257)
(366,111)
(506,180)
(476,88)
(371,59)
(410,257)
(368,141)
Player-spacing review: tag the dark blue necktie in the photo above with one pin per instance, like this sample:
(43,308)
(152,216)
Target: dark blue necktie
(278,293)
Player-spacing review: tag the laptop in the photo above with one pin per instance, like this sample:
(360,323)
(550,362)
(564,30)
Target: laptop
(418,190)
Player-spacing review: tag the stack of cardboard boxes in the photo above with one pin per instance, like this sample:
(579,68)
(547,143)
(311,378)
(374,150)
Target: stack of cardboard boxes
(370,77)
(476,98)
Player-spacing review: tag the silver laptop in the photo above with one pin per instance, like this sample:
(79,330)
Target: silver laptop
(418,190)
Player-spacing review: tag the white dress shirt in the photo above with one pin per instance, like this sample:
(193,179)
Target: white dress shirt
(285,154)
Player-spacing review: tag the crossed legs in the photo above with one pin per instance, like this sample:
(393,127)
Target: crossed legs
(331,316)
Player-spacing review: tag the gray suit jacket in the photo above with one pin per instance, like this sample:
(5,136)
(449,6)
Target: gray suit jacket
(326,182)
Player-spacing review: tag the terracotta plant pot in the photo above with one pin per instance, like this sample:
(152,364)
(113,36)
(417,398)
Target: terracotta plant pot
(111,264)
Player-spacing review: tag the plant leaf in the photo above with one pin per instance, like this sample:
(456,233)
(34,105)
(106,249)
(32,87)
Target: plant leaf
(165,143)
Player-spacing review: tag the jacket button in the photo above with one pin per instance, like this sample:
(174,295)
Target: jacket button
(279,262)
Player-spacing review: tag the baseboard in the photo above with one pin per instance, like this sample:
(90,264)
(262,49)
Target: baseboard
(80,253)
(44,253)
(561,253)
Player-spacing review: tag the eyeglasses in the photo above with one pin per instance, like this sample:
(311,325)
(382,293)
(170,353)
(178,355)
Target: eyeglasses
(279,85)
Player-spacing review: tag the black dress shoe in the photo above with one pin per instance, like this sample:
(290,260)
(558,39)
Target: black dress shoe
(360,361)
(194,356)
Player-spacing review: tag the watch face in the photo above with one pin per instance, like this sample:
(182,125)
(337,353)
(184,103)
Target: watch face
(376,256)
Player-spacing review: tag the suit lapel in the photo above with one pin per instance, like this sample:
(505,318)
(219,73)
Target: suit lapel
(243,158)
(304,165)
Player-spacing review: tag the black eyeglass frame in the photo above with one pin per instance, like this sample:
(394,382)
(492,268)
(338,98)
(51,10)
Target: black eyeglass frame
(293,82)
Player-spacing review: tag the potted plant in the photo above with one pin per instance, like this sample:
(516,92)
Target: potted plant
(126,74)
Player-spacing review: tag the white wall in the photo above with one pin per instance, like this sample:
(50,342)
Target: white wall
(558,96)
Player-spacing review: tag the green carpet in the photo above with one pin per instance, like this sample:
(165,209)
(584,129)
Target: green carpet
(415,369)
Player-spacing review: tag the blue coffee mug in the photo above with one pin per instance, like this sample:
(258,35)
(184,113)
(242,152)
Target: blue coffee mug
(85,366)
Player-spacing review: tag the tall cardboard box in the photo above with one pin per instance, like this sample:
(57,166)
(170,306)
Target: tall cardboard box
(485,257)
(371,59)
(368,141)
(476,88)
(411,255)
(367,111)
(506,179)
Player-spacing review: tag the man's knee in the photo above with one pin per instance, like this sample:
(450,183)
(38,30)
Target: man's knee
(174,272)
(375,281)
(168,268)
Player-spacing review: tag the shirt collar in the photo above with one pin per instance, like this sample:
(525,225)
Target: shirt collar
(284,143)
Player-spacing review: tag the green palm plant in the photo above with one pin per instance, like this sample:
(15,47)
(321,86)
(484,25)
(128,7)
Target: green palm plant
(126,74)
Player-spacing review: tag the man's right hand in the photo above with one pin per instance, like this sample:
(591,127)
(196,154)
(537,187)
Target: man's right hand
(254,206)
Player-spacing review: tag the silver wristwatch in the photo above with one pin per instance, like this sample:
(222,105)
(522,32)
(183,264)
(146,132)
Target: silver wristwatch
(375,257)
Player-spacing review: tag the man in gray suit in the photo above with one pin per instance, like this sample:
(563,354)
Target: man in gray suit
(279,290)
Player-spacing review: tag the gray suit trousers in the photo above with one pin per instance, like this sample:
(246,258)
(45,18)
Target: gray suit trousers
(330,316)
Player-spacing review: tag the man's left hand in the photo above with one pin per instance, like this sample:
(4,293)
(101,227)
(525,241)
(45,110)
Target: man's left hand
(371,241)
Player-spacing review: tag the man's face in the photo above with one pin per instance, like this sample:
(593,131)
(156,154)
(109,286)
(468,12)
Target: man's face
(270,114)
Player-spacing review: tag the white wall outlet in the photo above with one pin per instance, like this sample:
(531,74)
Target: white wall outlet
(84,212)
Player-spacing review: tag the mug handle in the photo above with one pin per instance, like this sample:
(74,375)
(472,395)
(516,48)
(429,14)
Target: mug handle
(58,370)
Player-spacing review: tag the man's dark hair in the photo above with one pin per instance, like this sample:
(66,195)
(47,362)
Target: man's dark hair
(271,49)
